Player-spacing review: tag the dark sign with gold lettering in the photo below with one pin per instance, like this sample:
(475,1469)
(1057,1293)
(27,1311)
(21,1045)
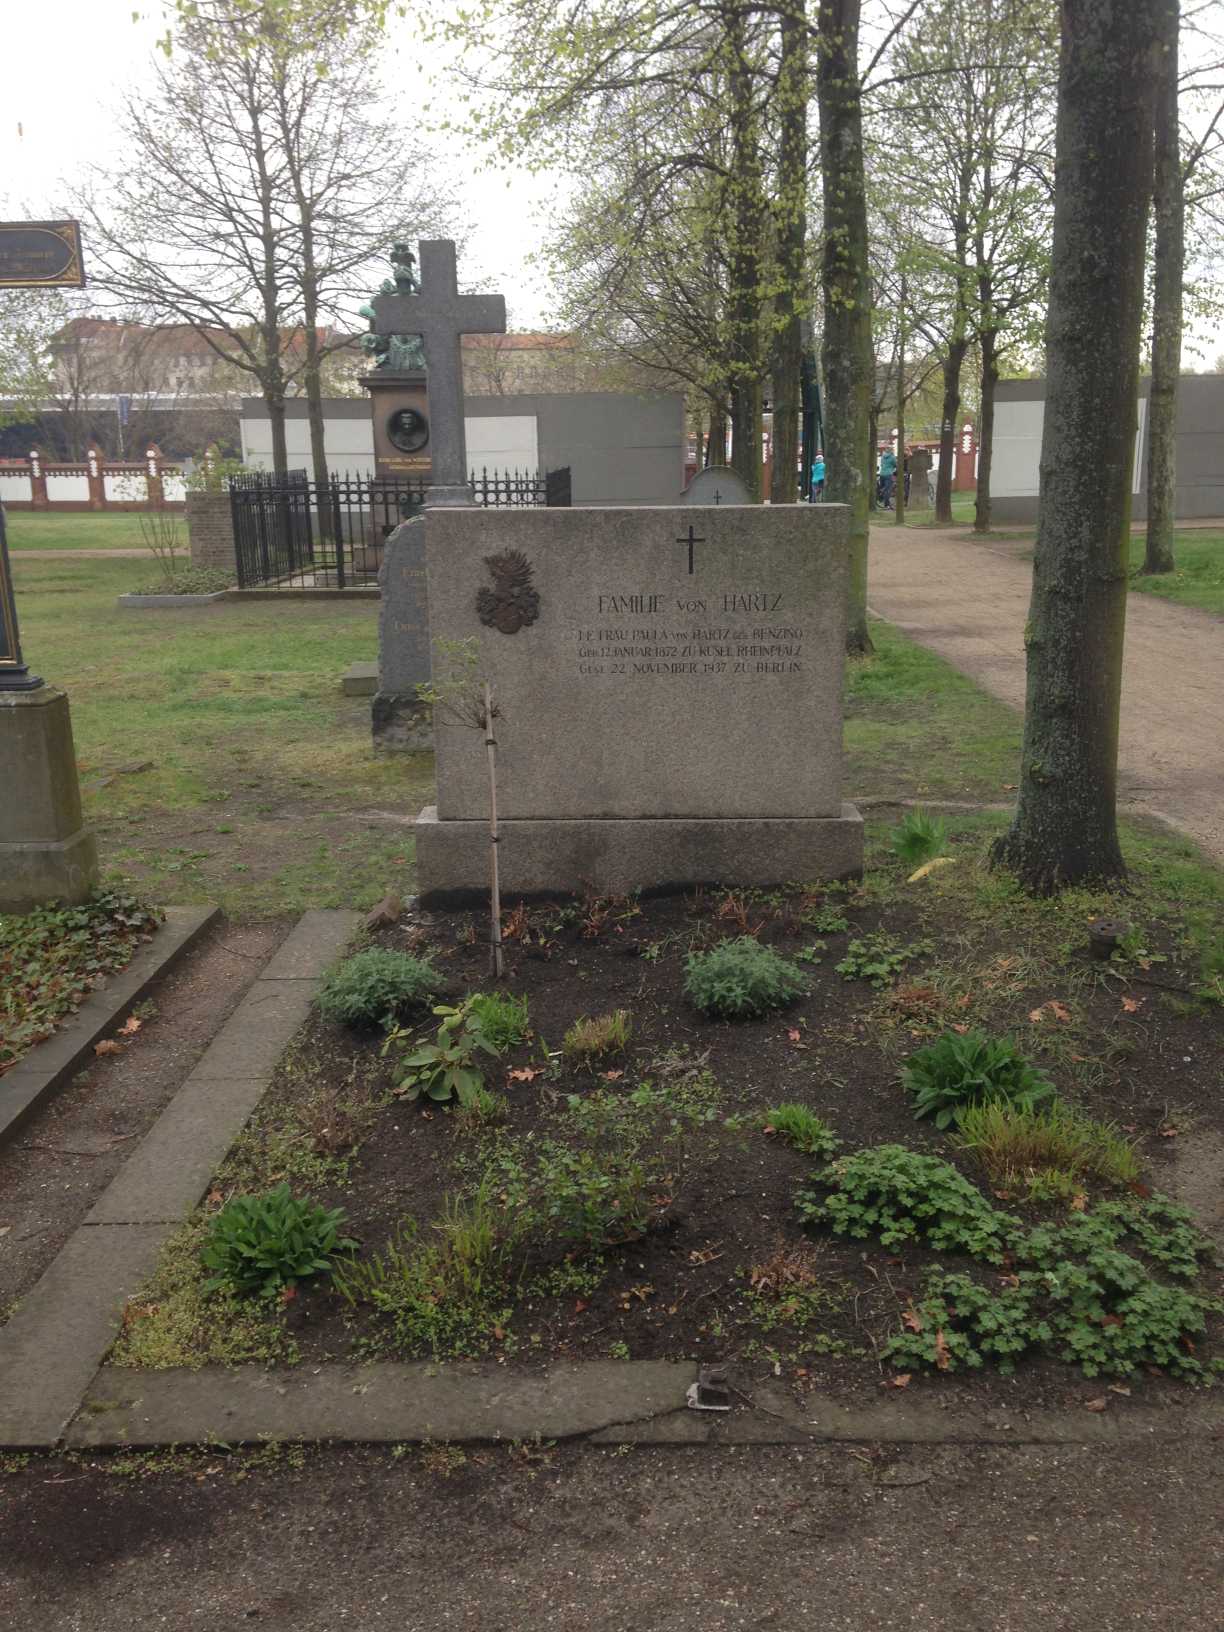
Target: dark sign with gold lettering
(41,255)
(14,675)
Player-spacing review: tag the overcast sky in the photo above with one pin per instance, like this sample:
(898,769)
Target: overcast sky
(65,70)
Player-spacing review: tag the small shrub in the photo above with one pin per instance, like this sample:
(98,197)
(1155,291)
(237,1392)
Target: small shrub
(606,1034)
(184,579)
(445,1069)
(480,1110)
(741,980)
(376,987)
(918,838)
(900,1195)
(962,1070)
(826,920)
(1048,1150)
(878,958)
(500,1018)
(263,1243)
(803,1129)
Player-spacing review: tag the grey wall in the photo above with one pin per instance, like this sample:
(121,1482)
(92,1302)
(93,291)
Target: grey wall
(620,449)
(1200,449)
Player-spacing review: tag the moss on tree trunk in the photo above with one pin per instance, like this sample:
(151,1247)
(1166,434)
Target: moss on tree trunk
(1065,828)
(847,357)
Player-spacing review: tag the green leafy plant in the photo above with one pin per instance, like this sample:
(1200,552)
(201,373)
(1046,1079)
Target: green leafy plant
(878,958)
(901,1195)
(802,1128)
(50,959)
(960,1070)
(1048,1150)
(266,1242)
(445,1069)
(741,980)
(826,920)
(481,1109)
(918,838)
(376,987)
(181,578)
(589,1039)
(501,1018)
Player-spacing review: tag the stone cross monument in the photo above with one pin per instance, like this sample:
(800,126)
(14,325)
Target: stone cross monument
(440,314)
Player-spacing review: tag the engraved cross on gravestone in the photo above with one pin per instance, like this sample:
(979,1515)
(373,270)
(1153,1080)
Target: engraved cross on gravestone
(440,314)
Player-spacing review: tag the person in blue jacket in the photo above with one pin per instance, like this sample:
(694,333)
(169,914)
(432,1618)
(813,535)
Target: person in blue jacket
(888,475)
(818,477)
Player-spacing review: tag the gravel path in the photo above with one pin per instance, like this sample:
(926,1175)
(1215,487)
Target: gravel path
(968,601)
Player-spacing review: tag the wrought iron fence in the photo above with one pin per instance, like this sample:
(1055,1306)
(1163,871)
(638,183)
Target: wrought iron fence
(292,533)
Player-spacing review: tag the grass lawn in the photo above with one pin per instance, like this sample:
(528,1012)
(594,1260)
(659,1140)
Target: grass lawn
(219,760)
(1199,579)
(79,530)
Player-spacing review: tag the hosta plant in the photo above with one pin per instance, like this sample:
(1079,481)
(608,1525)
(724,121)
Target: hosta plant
(266,1242)
(959,1069)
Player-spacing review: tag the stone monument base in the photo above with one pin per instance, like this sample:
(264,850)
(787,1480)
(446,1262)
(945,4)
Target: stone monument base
(46,851)
(619,855)
(400,725)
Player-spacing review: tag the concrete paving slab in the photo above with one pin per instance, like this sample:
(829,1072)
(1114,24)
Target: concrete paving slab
(313,943)
(170,1169)
(53,1345)
(254,1037)
(53,1064)
(383,1403)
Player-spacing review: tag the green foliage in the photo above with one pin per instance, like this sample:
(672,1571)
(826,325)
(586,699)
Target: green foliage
(183,579)
(962,1070)
(262,1243)
(1159,1228)
(449,1295)
(1050,1150)
(802,1128)
(826,920)
(51,959)
(501,1018)
(741,980)
(376,987)
(918,837)
(900,1195)
(445,1069)
(878,958)
(589,1039)
(480,1110)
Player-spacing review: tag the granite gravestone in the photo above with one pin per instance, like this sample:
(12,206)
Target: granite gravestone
(669,682)
(716,484)
(920,473)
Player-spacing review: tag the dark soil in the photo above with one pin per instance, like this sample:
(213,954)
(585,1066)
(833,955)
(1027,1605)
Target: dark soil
(683,1288)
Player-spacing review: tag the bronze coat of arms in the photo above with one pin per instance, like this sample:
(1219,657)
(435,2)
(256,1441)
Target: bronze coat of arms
(512,603)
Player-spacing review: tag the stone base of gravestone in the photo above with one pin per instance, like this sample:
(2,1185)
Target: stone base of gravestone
(668,683)
(46,851)
(920,471)
(399,722)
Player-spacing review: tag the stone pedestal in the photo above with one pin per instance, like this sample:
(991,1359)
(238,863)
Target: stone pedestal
(920,470)
(399,722)
(46,851)
(389,392)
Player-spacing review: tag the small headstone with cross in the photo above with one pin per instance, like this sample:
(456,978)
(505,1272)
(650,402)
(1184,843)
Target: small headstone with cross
(717,484)
(440,315)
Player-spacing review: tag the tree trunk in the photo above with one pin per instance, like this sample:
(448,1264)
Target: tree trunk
(716,445)
(746,189)
(791,213)
(949,430)
(990,379)
(899,491)
(1065,828)
(275,403)
(1169,258)
(847,358)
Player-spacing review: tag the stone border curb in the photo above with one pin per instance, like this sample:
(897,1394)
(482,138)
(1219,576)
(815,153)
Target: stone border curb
(50,1066)
(138,603)
(52,1347)
(606,1402)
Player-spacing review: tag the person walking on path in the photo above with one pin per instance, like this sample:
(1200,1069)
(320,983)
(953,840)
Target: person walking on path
(818,478)
(888,475)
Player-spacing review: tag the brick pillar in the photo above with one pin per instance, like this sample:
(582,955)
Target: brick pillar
(153,476)
(97,485)
(38,482)
(210,531)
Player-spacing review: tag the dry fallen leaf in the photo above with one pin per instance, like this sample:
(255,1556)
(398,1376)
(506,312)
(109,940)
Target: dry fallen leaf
(912,1320)
(1132,1005)
(794,1034)
(943,1356)
(108,1046)
(902,1380)
(1098,1404)
(1078,1202)
(130,1026)
(523,1073)
(960,1027)
(1120,1388)
(613,1076)
(1059,1010)
(1168,1132)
